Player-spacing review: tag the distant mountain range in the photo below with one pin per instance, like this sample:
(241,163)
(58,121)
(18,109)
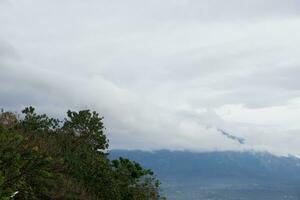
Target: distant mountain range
(221,175)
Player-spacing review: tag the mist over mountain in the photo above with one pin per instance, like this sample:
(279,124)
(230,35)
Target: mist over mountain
(164,74)
(221,175)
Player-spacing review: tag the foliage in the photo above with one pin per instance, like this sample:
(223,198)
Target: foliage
(44,158)
(88,127)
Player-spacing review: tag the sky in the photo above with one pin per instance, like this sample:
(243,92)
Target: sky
(164,74)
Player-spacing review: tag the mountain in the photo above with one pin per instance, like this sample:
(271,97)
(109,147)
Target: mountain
(221,175)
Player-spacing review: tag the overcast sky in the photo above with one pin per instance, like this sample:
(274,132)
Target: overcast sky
(164,74)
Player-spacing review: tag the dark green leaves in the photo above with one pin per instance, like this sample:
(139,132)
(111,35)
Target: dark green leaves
(88,127)
(44,158)
(34,122)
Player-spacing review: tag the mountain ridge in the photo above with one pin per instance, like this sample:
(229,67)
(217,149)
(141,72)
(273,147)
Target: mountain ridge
(211,175)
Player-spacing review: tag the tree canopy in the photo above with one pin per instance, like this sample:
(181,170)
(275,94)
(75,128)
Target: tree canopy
(43,158)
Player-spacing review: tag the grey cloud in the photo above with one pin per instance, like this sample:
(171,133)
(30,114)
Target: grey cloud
(7,51)
(156,70)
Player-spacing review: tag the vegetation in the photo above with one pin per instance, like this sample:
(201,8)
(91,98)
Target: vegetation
(45,158)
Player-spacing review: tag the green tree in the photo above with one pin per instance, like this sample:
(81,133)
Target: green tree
(35,122)
(24,169)
(88,127)
(44,158)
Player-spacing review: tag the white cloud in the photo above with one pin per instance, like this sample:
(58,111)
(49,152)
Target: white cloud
(164,74)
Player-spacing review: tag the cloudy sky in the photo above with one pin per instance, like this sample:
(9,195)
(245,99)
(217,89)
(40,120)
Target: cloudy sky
(164,74)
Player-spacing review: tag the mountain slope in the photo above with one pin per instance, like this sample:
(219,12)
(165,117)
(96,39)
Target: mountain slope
(221,175)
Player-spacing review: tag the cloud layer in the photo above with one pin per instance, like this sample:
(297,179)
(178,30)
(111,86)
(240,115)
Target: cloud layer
(164,74)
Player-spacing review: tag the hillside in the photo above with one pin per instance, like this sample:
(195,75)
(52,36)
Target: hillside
(221,175)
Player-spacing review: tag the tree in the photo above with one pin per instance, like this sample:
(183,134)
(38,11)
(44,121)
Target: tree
(24,170)
(44,158)
(88,127)
(143,185)
(34,122)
